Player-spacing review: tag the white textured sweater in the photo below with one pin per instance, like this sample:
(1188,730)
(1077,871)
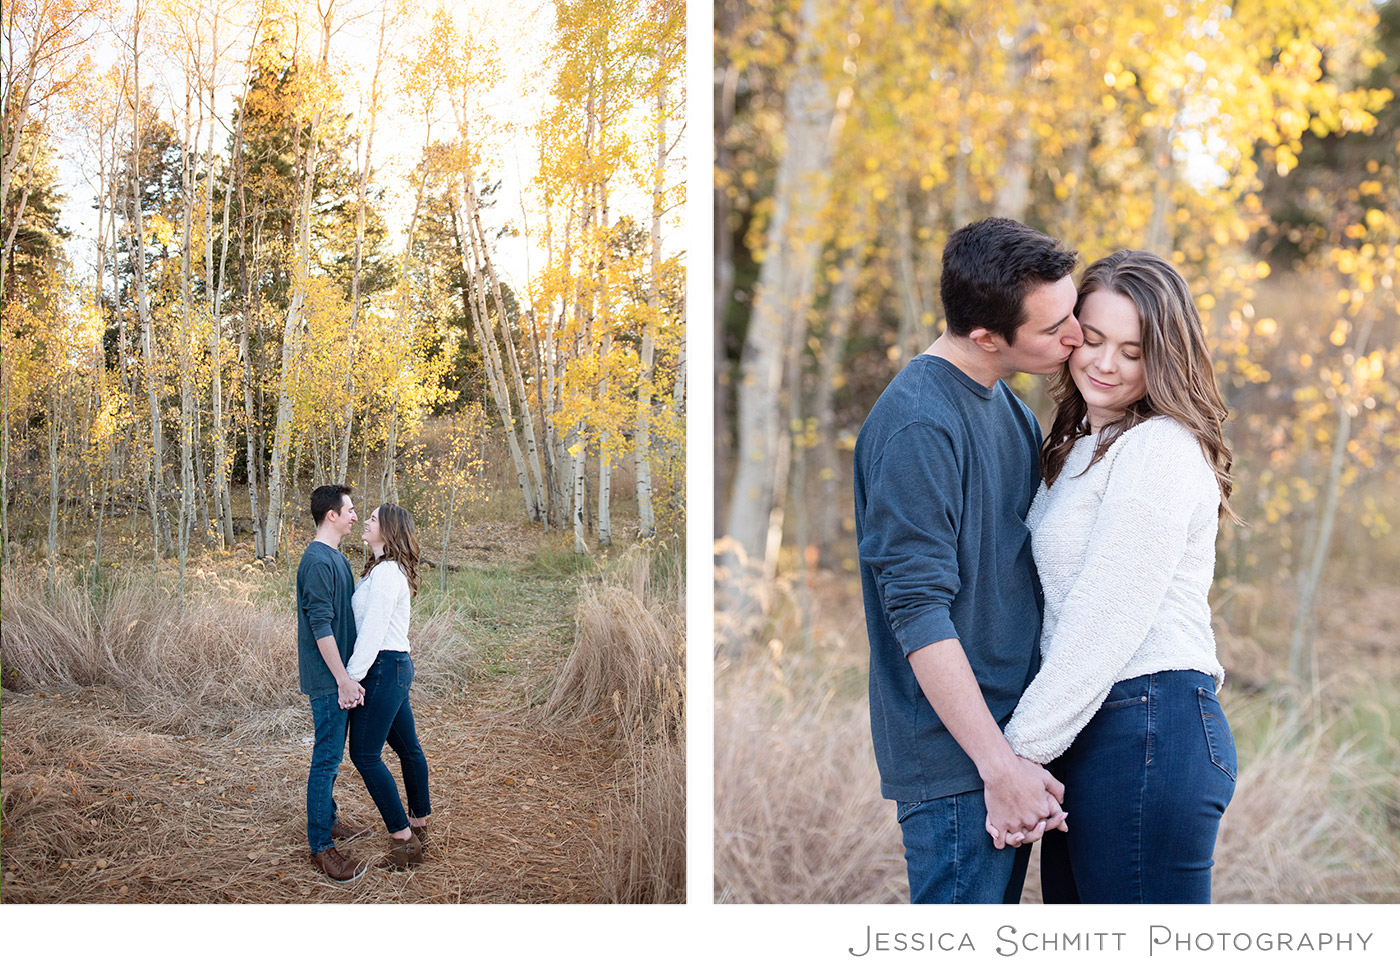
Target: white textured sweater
(1126,555)
(383,609)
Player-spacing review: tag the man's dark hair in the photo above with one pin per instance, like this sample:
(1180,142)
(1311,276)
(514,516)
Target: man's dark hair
(989,267)
(325,499)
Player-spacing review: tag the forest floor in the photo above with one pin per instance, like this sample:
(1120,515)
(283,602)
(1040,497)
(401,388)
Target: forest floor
(103,801)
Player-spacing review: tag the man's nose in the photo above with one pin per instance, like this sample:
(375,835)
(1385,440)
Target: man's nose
(1073,335)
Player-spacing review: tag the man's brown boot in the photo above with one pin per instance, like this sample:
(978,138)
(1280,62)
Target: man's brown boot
(346,830)
(337,867)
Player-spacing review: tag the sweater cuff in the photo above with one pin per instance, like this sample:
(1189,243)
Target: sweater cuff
(321,631)
(1042,754)
(934,625)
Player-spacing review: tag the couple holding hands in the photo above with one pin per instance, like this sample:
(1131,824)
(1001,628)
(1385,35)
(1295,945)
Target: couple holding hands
(353,662)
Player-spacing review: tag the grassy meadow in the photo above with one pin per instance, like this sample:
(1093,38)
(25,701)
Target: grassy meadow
(155,748)
(1316,812)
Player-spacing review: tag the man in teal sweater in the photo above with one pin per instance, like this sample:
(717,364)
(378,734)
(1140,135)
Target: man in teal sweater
(325,641)
(946,466)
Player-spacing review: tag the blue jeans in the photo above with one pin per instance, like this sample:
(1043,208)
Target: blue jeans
(384,717)
(951,858)
(329,721)
(1146,782)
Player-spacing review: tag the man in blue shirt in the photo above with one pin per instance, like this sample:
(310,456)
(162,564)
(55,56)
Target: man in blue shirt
(946,466)
(325,641)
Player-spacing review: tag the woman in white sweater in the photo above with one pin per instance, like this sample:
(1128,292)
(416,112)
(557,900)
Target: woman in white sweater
(1136,476)
(381,663)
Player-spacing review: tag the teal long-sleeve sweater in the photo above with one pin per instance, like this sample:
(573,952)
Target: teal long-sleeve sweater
(325,585)
(945,471)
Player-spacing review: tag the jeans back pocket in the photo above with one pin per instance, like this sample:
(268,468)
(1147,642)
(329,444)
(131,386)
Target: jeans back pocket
(1219,739)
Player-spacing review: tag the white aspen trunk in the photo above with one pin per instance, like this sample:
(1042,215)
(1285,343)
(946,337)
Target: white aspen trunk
(604,453)
(645,513)
(222,490)
(783,295)
(5,472)
(55,430)
(250,439)
(724,281)
(342,465)
(136,236)
(580,483)
(677,405)
(912,337)
(18,220)
(604,350)
(962,195)
(1159,234)
(840,309)
(17,101)
(389,481)
(1014,176)
(491,353)
(527,419)
(186,333)
(1310,577)
(291,332)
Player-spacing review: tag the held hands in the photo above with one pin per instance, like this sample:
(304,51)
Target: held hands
(352,694)
(1023,804)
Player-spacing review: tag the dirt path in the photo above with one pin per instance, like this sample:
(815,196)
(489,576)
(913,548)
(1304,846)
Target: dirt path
(97,811)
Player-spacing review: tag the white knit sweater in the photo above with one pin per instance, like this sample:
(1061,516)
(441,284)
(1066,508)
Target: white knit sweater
(382,611)
(1126,555)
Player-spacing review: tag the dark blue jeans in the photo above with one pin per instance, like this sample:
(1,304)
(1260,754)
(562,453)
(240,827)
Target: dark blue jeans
(384,717)
(951,858)
(329,721)
(1146,782)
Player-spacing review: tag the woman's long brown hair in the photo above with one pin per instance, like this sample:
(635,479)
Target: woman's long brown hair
(1180,374)
(400,544)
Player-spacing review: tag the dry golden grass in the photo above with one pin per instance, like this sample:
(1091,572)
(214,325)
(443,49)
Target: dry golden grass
(799,817)
(195,669)
(798,812)
(1316,813)
(170,766)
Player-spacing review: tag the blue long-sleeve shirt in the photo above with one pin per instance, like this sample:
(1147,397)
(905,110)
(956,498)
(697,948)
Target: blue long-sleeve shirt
(945,471)
(325,585)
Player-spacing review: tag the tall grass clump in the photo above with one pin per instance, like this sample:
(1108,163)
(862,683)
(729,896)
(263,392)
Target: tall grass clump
(443,659)
(627,668)
(628,659)
(798,812)
(191,667)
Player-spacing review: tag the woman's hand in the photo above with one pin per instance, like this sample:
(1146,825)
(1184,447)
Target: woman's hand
(1056,822)
(352,694)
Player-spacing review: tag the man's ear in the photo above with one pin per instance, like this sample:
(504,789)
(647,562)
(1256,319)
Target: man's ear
(984,339)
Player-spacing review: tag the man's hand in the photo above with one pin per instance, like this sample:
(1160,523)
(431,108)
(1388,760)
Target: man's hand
(352,694)
(1023,802)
